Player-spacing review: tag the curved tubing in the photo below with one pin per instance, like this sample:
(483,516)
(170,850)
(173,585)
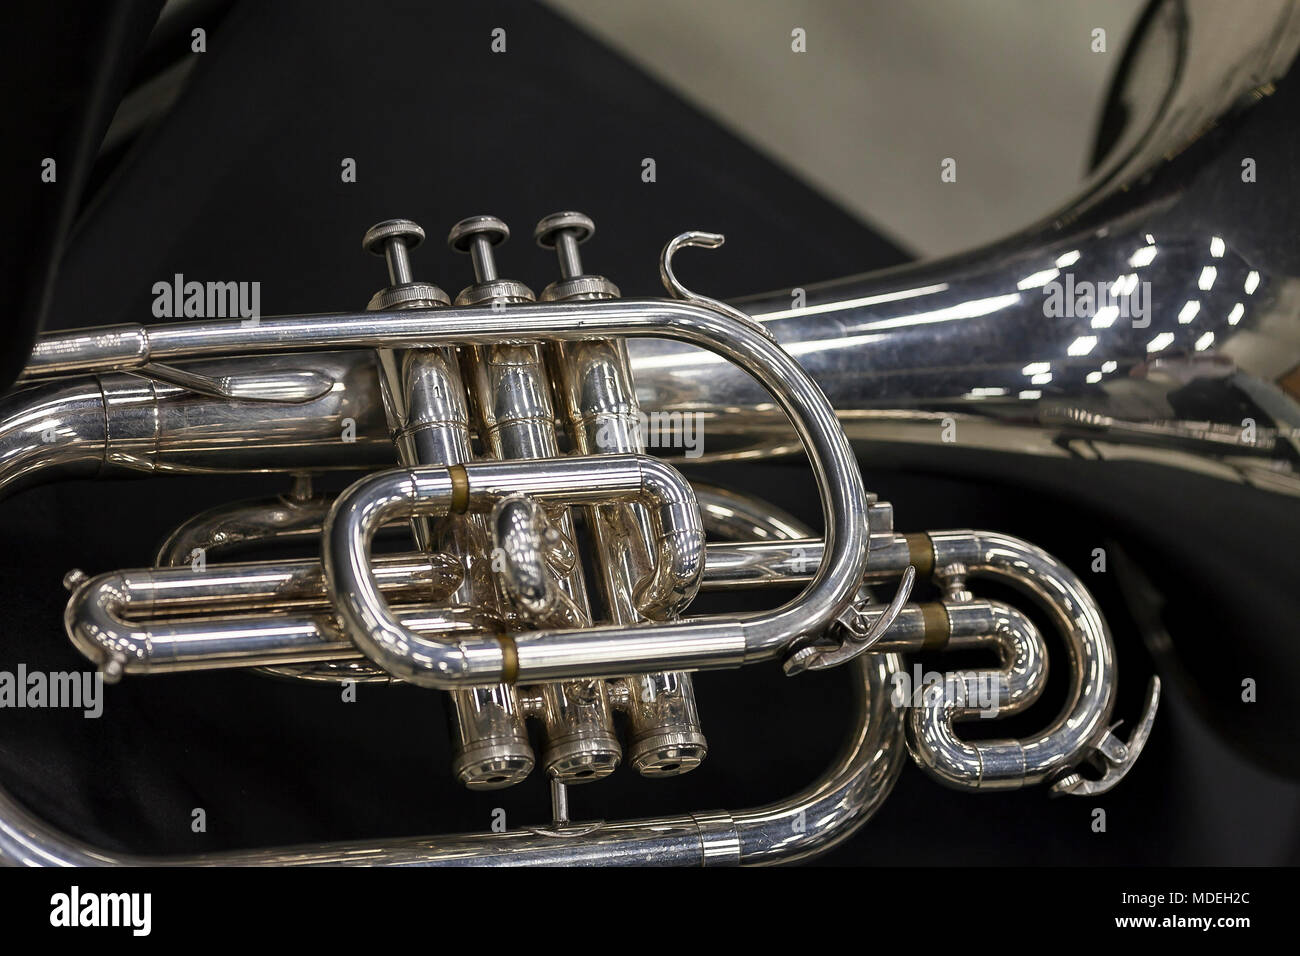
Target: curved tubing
(812,821)
(1085,718)
(766,636)
(835,469)
(1019,681)
(230,526)
(104,615)
(52,431)
(964,695)
(977,623)
(739,517)
(111,612)
(836,806)
(381,497)
(283,518)
(677,537)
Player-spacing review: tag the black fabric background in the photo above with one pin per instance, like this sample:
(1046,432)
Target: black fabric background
(59,98)
(241,182)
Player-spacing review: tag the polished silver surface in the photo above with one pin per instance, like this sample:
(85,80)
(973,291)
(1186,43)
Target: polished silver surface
(564,232)
(525,655)
(428,417)
(977,342)
(835,468)
(511,393)
(296,516)
(521,532)
(494,606)
(131,622)
(738,517)
(121,424)
(1083,727)
(855,631)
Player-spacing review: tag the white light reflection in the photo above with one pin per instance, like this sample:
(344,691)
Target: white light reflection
(1124,285)
(1206,281)
(1216,247)
(1082,345)
(1094,378)
(855,303)
(700,360)
(1043,379)
(1108,367)
(1252,282)
(1068,259)
(1189,311)
(1105,317)
(1235,315)
(1205,341)
(1142,257)
(1037,280)
(1031,393)
(1036,368)
(962,310)
(1161,341)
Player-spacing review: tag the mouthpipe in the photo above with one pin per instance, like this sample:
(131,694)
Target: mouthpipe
(117,424)
(51,431)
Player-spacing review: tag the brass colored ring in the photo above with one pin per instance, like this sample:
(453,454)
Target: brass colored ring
(509,659)
(459,489)
(920,552)
(938,626)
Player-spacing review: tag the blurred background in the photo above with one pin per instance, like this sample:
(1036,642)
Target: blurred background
(882,85)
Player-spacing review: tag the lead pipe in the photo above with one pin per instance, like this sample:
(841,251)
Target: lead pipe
(116,424)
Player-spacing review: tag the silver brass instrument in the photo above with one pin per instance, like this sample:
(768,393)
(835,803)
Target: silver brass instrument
(554,562)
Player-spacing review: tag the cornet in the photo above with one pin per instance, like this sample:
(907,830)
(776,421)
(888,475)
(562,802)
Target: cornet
(545,565)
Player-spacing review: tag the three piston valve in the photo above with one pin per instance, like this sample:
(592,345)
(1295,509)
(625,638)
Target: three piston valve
(507,395)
